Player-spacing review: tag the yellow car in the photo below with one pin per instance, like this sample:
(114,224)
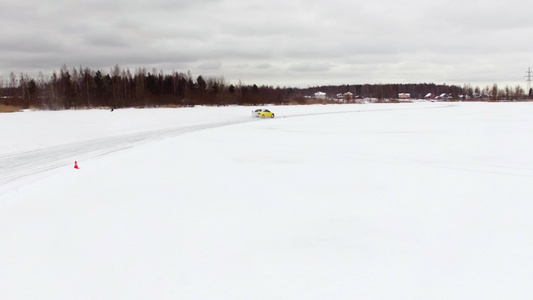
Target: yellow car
(265,113)
(256,112)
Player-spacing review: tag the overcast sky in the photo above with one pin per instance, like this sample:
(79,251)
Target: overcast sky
(278,42)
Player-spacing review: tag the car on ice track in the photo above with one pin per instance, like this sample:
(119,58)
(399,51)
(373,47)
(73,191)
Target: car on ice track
(256,112)
(263,113)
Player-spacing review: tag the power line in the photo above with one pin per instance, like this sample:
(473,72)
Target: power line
(528,79)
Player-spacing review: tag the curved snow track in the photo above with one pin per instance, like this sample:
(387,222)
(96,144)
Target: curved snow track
(30,163)
(23,164)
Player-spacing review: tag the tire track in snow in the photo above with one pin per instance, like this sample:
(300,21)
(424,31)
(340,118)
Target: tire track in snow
(30,163)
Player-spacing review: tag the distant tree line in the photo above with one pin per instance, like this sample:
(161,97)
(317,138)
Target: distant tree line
(420,90)
(85,88)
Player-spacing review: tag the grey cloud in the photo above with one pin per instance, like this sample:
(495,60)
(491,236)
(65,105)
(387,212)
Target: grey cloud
(310,67)
(277,42)
(264,66)
(211,65)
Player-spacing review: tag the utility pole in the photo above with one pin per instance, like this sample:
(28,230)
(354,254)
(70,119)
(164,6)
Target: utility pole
(528,80)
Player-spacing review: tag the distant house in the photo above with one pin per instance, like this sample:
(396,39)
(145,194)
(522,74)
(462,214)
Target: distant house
(444,96)
(429,96)
(403,96)
(344,97)
(320,95)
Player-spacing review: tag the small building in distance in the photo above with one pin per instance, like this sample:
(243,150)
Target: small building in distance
(320,95)
(404,96)
(345,97)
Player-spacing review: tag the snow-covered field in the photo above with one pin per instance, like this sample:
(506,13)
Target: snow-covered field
(375,201)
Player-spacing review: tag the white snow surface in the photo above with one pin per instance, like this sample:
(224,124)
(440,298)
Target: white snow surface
(375,201)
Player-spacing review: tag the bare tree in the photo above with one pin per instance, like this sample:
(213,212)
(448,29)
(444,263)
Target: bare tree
(494,93)
(519,92)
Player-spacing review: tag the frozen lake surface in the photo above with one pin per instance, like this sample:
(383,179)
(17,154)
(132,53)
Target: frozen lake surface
(375,201)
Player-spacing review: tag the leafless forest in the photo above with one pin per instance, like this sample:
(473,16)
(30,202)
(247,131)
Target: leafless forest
(85,88)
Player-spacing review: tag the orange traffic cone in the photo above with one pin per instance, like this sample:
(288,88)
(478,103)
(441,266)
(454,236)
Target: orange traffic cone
(76,165)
